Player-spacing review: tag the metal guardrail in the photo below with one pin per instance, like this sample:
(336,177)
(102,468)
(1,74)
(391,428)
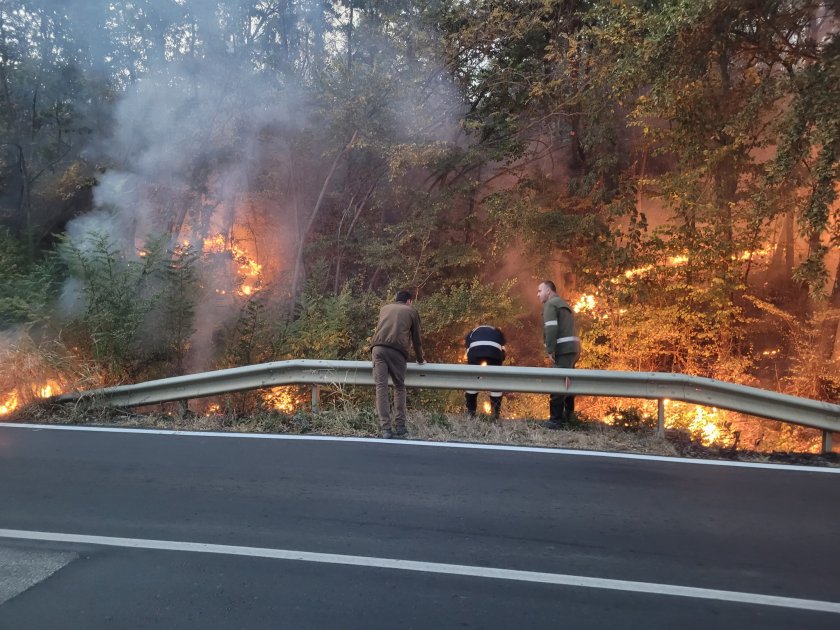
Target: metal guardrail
(651,385)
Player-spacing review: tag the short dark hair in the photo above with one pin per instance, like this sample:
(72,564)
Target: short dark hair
(404,296)
(550,285)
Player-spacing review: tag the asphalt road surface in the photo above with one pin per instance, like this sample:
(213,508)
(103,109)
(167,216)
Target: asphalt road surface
(120,529)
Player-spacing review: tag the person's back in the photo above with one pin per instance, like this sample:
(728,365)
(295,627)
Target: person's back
(398,328)
(485,343)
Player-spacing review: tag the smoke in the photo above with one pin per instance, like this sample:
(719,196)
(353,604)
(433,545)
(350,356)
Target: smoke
(185,144)
(200,134)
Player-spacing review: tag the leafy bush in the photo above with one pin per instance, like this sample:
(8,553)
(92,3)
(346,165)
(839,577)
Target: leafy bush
(27,289)
(134,314)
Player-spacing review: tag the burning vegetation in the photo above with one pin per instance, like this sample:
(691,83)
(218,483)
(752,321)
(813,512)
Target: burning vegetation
(171,205)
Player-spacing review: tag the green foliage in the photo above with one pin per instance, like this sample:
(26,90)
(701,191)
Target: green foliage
(449,314)
(247,339)
(326,327)
(117,293)
(134,315)
(27,289)
(178,303)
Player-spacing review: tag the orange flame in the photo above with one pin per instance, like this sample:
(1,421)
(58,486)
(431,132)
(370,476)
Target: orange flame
(250,271)
(9,404)
(282,399)
(487,407)
(586,302)
(214,244)
(704,425)
(630,273)
(12,399)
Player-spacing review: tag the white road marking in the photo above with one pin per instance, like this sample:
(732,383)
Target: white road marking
(435,567)
(462,445)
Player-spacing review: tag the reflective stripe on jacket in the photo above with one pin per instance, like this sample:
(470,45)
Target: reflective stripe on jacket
(485,342)
(559,334)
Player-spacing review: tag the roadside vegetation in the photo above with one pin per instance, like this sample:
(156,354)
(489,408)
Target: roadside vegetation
(635,435)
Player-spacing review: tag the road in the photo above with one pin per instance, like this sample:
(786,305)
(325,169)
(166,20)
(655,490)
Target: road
(119,529)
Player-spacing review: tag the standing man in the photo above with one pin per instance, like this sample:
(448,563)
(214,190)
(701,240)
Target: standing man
(562,346)
(485,346)
(399,325)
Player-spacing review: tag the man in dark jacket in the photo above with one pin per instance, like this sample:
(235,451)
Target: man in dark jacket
(398,326)
(562,346)
(485,346)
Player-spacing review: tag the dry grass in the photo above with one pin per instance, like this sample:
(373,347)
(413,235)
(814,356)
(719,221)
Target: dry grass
(430,426)
(586,436)
(363,423)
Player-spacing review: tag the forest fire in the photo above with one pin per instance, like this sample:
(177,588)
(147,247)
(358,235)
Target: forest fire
(283,399)
(12,400)
(705,425)
(9,404)
(702,423)
(250,272)
(586,302)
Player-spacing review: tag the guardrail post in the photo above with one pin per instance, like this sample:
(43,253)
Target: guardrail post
(660,417)
(316,397)
(826,441)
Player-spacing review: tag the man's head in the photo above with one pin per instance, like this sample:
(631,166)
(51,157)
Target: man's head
(545,290)
(405,297)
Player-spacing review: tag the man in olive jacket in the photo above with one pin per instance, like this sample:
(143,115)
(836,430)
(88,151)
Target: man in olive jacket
(562,346)
(398,326)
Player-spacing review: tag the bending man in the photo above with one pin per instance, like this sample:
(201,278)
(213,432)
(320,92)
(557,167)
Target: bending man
(485,346)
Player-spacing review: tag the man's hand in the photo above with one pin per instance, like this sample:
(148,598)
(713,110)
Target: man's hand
(421,363)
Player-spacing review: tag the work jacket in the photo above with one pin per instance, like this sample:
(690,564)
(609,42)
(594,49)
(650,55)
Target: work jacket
(485,342)
(559,327)
(398,327)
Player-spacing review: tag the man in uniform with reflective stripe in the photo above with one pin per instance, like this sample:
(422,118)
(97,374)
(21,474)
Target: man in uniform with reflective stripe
(485,346)
(562,346)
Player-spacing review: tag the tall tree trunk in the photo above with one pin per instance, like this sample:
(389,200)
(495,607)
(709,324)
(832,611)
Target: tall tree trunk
(298,273)
(830,328)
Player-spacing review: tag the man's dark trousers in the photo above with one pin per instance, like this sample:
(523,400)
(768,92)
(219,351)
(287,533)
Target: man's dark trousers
(562,405)
(471,397)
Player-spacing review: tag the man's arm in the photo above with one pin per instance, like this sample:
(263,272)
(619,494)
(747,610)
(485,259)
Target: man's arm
(550,328)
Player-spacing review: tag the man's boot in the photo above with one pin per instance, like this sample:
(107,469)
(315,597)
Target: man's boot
(496,406)
(557,409)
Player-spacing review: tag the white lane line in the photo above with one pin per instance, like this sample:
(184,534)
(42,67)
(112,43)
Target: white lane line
(434,567)
(461,445)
